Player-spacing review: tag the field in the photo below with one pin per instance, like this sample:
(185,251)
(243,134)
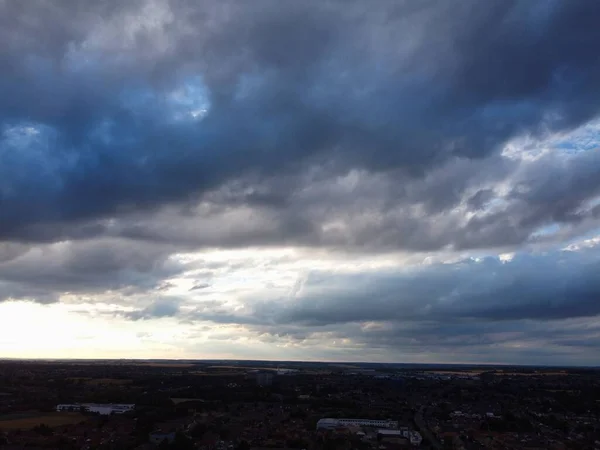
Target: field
(173,365)
(500,372)
(115,381)
(100,381)
(230,373)
(241,367)
(530,374)
(30,420)
(177,401)
(457,372)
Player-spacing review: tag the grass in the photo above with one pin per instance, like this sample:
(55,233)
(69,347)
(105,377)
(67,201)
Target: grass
(30,420)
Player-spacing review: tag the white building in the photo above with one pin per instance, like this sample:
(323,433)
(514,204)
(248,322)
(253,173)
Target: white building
(264,378)
(102,409)
(414,437)
(70,407)
(328,423)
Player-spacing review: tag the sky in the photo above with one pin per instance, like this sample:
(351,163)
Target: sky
(340,180)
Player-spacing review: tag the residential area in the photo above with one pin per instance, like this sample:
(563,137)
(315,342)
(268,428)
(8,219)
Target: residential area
(320,406)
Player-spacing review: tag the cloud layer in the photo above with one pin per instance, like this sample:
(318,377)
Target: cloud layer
(140,140)
(119,107)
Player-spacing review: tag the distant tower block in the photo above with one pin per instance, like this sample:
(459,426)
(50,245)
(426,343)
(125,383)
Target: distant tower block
(264,378)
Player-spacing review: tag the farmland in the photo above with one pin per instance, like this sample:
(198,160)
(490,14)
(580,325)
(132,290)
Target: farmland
(32,419)
(100,381)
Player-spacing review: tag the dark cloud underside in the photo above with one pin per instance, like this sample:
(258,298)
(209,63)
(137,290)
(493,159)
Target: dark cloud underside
(399,86)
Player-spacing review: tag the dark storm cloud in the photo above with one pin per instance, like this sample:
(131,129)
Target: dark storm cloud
(533,309)
(164,307)
(559,189)
(496,202)
(520,342)
(18,291)
(94,123)
(199,286)
(549,286)
(44,272)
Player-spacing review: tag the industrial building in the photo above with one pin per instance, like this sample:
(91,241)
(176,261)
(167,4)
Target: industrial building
(414,437)
(328,423)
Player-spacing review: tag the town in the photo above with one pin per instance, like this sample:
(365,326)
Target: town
(243,405)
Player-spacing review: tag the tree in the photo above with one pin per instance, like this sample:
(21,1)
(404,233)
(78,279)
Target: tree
(198,430)
(224,434)
(243,445)
(44,430)
(296,443)
(182,442)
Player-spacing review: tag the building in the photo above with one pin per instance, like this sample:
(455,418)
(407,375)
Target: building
(329,424)
(264,378)
(69,408)
(414,437)
(102,409)
(158,437)
(391,433)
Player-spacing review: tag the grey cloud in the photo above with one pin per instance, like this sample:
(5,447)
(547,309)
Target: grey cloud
(536,308)
(498,202)
(10,251)
(130,131)
(549,286)
(199,286)
(164,307)
(430,86)
(164,286)
(17,291)
(480,199)
(532,301)
(570,341)
(368,211)
(565,341)
(87,267)
(557,188)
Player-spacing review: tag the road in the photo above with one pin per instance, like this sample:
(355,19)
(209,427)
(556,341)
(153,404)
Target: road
(425,432)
